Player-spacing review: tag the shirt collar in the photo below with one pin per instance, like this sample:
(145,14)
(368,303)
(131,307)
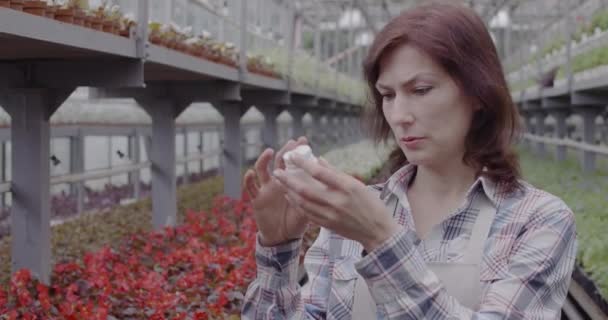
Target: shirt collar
(400,180)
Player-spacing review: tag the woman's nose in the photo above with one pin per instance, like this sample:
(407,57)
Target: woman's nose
(403,111)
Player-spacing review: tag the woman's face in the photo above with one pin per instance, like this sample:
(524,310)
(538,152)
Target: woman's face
(428,113)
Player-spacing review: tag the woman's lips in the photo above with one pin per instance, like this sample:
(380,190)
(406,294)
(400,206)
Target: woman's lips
(412,142)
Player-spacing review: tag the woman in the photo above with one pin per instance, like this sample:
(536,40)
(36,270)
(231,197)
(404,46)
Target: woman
(453,233)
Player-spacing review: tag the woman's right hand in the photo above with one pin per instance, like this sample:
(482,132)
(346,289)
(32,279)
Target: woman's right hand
(277,222)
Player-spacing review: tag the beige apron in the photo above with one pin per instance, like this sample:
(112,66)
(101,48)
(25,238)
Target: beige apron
(461,280)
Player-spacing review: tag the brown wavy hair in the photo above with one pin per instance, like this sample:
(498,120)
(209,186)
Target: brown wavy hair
(455,37)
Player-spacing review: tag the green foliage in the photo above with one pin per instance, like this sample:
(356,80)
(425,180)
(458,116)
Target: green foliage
(521,85)
(585,61)
(306,71)
(586,195)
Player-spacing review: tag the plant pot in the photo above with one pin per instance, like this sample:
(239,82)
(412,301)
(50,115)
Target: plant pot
(96,23)
(5,3)
(35,7)
(182,47)
(125,33)
(156,39)
(79,17)
(50,12)
(116,30)
(16,5)
(65,15)
(108,26)
(191,50)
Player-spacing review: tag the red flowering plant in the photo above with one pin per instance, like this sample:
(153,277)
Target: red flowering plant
(198,270)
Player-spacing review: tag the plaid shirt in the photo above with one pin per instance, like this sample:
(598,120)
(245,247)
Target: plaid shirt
(525,273)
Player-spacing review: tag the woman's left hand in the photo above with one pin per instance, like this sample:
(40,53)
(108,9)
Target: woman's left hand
(339,203)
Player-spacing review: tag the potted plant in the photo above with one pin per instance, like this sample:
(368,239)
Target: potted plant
(95,22)
(154,33)
(65,14)
(115,16)
(79,7)
(16,5)
(195,46)
(127,22)
(103,14)
(51,9)
(35,7)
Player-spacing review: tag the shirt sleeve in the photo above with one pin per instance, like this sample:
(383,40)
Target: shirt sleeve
(539,268)
(276,294)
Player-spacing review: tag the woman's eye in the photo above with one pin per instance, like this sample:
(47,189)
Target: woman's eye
(422,90)
(387,96)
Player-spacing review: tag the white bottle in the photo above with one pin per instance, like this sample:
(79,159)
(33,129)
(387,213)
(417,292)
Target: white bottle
(304,151)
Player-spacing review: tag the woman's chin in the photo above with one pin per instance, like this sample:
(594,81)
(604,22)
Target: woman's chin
(416,158)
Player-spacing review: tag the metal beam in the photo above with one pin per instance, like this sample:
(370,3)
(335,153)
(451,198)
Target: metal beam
(43,74)
(368,20)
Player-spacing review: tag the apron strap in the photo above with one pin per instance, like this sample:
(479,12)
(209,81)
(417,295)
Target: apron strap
(481,229)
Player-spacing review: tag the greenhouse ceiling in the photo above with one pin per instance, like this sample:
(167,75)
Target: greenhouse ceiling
(523,18)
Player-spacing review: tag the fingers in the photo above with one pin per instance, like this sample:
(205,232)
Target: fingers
(278,160)
(304,186)
(261,165)
(322,173)
(251,184)
(324,163)
(302,141)
(279,163)
(315,212)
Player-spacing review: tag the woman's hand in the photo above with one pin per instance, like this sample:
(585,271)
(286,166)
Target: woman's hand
(338,202)
(276,220)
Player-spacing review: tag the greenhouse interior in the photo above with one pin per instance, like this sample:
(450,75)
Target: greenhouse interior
(128,127)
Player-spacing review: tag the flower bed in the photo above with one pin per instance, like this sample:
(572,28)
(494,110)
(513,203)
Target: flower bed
(198,270)
(112,266)
(72,239)
(64,205)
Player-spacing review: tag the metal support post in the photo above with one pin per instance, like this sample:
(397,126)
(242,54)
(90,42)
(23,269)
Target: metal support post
(186,178)
(561,132)
(163,112)
(135,156)
(30,111)
(201,150)
(232,149)
(297,115)
(589,114)
(318,135)
(77,166)
(270,131)
(540,115)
